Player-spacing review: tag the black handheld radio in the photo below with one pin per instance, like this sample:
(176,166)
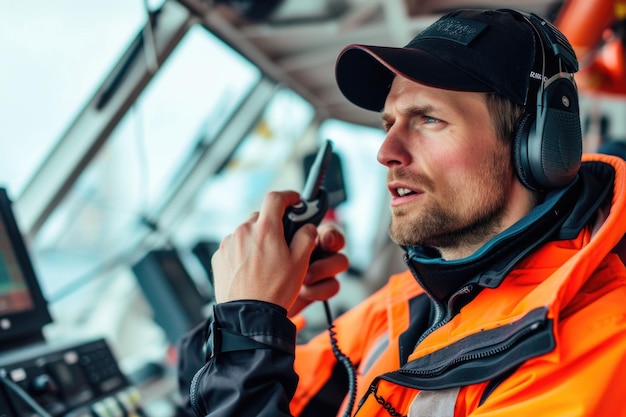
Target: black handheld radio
(313,199)
(311,209)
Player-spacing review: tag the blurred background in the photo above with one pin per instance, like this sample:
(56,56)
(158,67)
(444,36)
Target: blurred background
(135,135)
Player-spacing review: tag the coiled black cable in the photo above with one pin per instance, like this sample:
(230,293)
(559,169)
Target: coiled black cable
(344,360)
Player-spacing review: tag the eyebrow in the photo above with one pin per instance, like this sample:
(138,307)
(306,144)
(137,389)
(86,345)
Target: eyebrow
(410,112)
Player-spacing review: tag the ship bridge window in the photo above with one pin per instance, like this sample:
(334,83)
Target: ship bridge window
(265,160)
(84,248)
(53,56)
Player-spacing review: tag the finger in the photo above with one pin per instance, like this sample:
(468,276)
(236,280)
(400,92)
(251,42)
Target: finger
(330,239)
(269,223)
(329,266)
(254,216)
(321,290)
(303,242)
(276,202)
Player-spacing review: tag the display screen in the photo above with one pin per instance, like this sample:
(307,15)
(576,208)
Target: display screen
(23,309)
(14,293)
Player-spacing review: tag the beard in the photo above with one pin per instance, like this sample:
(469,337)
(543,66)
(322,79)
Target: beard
(457,219)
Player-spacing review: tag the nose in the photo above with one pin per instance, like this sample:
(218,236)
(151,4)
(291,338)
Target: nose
(392,151)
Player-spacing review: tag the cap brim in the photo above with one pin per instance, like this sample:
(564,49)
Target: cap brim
(364,73)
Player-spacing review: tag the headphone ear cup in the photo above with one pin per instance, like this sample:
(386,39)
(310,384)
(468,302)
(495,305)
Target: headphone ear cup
(548,147)
(556,157)
(520,151)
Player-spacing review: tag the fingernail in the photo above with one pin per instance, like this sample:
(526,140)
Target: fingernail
(333,241)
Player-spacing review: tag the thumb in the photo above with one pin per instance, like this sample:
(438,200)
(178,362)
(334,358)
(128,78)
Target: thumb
(303,242)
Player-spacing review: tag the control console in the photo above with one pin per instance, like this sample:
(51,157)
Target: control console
(76,380)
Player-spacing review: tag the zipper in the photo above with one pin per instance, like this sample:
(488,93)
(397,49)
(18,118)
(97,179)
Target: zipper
(193,398)
(370,391)
(440,315)
(479,354)
(373,390)
(448,316)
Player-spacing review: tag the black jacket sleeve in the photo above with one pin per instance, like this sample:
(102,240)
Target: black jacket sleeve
(249,352)
(191,357)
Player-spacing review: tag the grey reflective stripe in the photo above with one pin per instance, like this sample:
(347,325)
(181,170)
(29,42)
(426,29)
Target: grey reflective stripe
(375,352)
(438,403)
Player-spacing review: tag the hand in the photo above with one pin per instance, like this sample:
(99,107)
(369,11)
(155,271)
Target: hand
(254,262)
(320,282)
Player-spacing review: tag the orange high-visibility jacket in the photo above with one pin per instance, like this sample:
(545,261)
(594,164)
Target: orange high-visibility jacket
(533,324)
(557,323)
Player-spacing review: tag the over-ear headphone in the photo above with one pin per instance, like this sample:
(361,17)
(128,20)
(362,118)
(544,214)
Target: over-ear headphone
(547,147)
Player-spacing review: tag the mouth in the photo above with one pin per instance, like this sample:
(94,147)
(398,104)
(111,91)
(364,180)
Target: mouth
(402,192)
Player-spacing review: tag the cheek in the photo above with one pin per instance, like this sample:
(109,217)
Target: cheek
(464,172)
(459,149)
(453,166)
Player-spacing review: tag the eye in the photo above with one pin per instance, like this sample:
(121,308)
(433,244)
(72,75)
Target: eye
(387,125)
(424,120)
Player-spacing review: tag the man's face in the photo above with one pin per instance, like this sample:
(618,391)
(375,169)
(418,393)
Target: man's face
(449,176)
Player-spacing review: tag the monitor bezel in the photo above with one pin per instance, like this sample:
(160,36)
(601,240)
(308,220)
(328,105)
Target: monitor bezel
(27,325)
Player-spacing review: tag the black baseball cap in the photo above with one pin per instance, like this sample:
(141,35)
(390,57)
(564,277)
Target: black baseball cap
(465,50)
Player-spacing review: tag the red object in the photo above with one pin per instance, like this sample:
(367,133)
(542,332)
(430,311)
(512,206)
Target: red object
(586,24)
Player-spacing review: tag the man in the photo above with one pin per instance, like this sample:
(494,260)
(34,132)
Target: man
(513,304)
